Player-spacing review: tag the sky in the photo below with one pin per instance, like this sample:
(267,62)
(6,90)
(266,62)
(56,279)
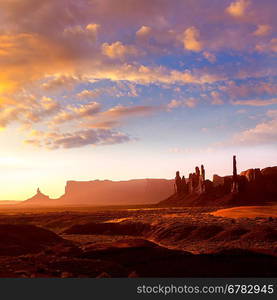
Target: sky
(105,89)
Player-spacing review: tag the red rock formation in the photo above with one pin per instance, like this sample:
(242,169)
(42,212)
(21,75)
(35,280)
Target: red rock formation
(251,174)
(235,187)
(178,183)
(38,198)
(184,185)
(251,187)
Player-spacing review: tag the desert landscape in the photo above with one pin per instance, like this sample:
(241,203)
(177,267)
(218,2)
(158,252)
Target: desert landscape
(138,138)
(204,229)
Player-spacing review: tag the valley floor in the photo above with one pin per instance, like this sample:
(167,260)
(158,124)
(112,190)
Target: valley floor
(144,242)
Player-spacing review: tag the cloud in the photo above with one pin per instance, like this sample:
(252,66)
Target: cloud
(191,39)
(262,30)
(49,105)
(249,89)
(123,111)
(57,50)
(191,103)
(95,137)
(9,115)
(89,31)
(61,82)
(216,99)
(103,124)
(29,111)
(238,8)
(26,57)
(143,74)
(256,102)
(118,50)
(144,32)
(117,115)
(270,46)
(262,133)
(272,113)
(89,94)
(209,56)
(74,113)
(93,28)
(90,116)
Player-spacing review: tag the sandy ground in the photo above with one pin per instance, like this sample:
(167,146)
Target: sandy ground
(247,212)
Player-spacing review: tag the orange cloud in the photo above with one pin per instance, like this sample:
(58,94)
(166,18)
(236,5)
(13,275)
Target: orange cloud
(238,8)
(118,50)
(25,58)
(262,30)
(89,94)
(191,39)
(73,113)
(89,31)
(143,32)
(30,110)
(146,75)
(61,81)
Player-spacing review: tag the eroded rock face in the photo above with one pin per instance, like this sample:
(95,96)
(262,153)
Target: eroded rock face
(252,174)
(270,171)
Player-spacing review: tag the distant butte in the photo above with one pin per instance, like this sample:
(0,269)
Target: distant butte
(107,192)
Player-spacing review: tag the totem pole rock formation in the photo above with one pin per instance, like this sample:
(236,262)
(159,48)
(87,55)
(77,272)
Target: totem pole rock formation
(190,183)
(178,183)
(202,185)
(194,184)
(257,186)
(235,185)
(184,185)
(203,172)
(196,178)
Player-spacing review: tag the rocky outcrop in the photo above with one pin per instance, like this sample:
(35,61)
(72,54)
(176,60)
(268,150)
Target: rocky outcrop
(251,187)
(252,174)
(38,199)
(178,183)
(235,179)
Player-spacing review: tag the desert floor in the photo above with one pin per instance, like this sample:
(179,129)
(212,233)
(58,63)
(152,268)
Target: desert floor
(136,241)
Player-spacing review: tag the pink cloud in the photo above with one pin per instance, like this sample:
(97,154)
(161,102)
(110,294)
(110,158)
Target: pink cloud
(256,102)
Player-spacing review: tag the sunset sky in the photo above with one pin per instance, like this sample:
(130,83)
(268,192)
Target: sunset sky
(122,89)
